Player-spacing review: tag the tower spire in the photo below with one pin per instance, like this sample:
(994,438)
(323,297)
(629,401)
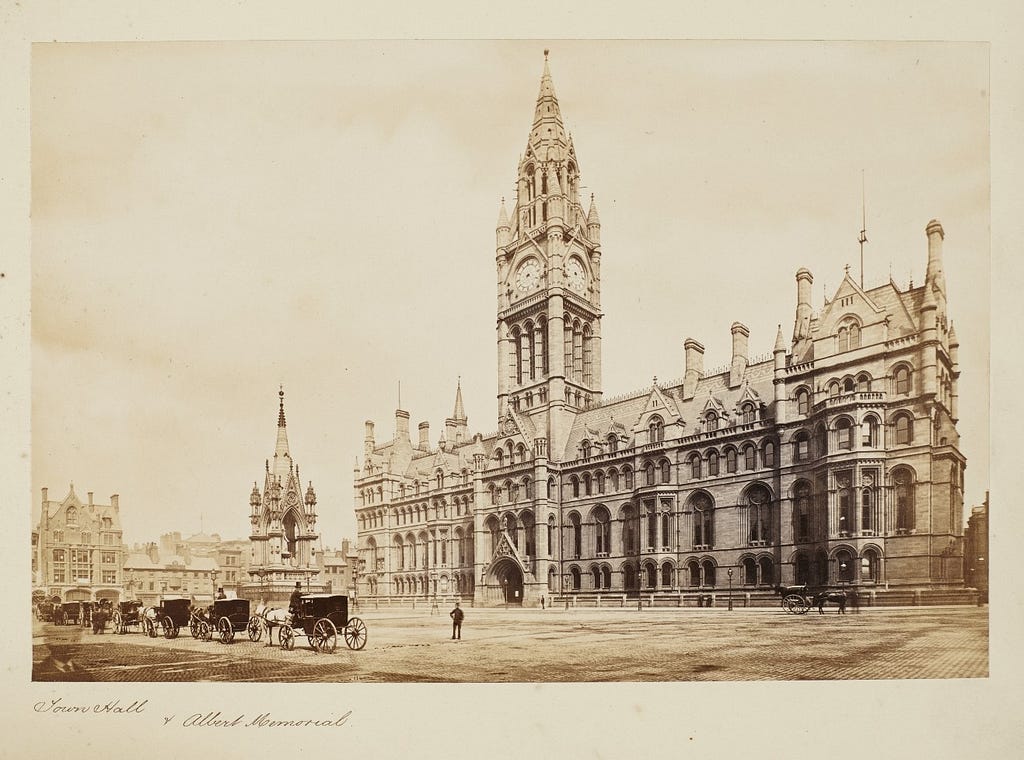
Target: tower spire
(282,457)
(548,136)
(460,412)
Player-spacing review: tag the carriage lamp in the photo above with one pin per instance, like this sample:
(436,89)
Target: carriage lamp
(729,573)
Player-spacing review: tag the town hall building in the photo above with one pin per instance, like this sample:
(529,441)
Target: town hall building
(834,461)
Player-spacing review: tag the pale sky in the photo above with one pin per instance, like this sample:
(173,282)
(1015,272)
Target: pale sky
(211,220)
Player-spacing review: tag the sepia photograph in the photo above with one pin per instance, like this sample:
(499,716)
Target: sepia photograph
(611,352)
(527,376)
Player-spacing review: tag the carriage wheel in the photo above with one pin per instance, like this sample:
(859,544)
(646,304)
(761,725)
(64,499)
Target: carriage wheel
(287,637)
(225,631)
(170,629)
(355,634)
(193,628)
(795,604)
(325,636)
(255,628)
(205,630)
(117,622)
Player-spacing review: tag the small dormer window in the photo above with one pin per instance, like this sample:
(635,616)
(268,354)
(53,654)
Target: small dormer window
(749,413)
(711,421)
(585,449)
(656,429)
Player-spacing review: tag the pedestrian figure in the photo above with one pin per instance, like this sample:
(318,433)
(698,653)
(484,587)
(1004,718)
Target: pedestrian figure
(456,615)
(854,600)
(295,600)
(99,620)
(542,601)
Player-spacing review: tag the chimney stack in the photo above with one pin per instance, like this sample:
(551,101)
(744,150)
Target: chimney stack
(368,442)
(694,366)
(401,425)
(802,323)
(740,334)
(89,496)
(934,274)
(113,502)
(424,444)
(46,491)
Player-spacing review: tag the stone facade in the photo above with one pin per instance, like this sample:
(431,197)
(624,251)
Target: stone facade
(833,460)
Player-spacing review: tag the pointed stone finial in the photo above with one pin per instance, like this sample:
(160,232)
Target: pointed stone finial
(280,412)
(780,343)
(460,412)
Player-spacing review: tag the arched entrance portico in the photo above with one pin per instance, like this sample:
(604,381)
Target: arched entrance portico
(507,579)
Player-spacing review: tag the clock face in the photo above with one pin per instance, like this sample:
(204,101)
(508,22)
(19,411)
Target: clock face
(574,273)
(528,276)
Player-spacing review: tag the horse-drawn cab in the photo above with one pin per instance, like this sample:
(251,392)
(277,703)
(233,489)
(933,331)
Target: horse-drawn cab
(171,615)
(228,616)
(319,618)
(796,600)
(127,614)
(70,613)
(44,610)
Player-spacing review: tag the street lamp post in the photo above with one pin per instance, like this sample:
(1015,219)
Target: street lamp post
(729,573)
(213,576)
(504,590)
(980,580)
(308,574)
(565,589)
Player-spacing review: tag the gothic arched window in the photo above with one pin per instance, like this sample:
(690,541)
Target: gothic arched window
(602,531)
(703,520)
(803,402)
(749,457)
(749,413)
(759,513)
(656,429)
(903,486)
(902,380)
(904,425)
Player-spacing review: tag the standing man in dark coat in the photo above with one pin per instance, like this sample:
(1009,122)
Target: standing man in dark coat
(456,615)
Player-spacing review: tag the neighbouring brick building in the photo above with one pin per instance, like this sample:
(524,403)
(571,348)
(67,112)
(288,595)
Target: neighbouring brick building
(79,548)
(832,460)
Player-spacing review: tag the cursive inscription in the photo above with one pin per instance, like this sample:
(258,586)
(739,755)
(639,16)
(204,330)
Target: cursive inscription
(57,707)
(215,719)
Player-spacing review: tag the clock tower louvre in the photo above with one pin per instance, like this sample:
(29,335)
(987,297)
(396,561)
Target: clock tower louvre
(548,283)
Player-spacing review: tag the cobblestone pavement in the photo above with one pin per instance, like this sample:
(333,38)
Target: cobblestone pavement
(557,646)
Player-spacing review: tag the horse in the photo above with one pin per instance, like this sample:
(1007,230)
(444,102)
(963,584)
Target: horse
(825,597)
(273,617)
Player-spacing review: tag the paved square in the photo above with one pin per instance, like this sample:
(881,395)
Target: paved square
(559,646)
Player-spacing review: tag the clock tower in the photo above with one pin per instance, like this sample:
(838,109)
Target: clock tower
(548,261)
